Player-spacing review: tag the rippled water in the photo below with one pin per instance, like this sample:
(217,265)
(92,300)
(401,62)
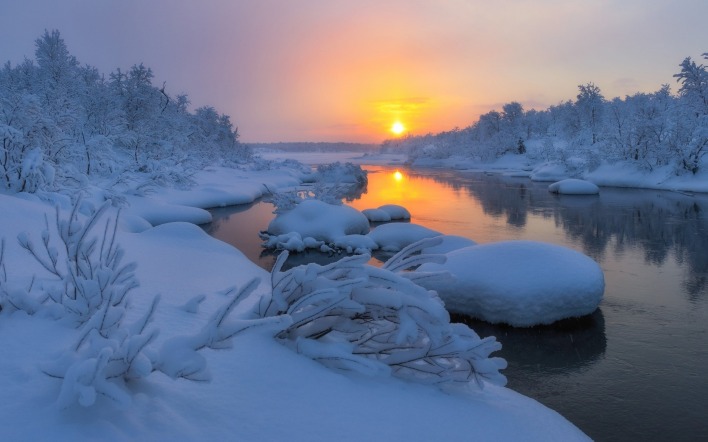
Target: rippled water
(636,368)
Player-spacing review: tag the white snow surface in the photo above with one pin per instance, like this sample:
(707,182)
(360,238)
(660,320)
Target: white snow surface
(376,215)
(448,244)
(521,283)
(393,237)
(260,390)
(619,174)
(314,224)
(574,186)
(321,221)
(386,213)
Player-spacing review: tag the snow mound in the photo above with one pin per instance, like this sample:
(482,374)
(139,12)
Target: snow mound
(448,244)
(386,213)
(376,215)
(549,172)
(395,236)
(521,283)
(314,224)
(573,186)
(157,212)
(395,211)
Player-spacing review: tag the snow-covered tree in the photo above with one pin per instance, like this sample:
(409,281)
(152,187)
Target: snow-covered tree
(693,146)
(61,122)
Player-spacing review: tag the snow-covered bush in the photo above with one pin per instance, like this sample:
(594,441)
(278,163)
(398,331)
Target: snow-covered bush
(88,268)
(352,316)
(88,289)
(103,364)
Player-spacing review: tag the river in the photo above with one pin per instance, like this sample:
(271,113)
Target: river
(634,370)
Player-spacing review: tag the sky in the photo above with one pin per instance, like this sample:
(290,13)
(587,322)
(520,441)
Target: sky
(347,70)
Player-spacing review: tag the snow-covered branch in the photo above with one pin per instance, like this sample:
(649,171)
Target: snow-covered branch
(352,316)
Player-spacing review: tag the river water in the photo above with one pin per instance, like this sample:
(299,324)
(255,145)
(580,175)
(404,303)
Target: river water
(634,370)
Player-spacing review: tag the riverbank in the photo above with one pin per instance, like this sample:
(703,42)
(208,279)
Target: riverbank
(259,390)
(624,175)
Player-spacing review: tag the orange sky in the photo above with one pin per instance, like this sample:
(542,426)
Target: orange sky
(344,70)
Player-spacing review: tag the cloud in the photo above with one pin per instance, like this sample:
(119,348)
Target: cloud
(402,106)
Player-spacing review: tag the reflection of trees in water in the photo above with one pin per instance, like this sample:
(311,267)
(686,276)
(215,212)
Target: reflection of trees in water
(660,223)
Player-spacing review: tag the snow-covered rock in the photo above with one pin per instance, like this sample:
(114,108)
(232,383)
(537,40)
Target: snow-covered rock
(395,211)
(316,224)
(521,283)
(386,213)
(573,186)
(376,215)
(395,236)
(448,244)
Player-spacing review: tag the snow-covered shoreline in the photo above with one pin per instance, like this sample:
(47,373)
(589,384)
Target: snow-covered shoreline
(623,175)
(255,383)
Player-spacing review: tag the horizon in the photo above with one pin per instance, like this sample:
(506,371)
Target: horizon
(306,72)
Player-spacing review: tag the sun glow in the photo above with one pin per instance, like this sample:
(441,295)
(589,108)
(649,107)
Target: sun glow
(397,176)
(398,128)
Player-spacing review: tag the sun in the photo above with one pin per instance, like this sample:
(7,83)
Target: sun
(397,176)
(398,128)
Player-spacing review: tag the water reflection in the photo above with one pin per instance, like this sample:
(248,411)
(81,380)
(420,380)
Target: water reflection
(667,227)
(240,226)
(562,348)
(635,369)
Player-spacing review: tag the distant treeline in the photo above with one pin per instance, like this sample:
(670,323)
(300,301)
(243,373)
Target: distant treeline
(315,147)
(649,130)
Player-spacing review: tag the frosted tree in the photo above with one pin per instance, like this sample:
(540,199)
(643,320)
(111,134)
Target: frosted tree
(694,98)
(590,104)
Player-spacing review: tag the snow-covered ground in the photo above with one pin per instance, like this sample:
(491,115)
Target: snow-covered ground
(259,389)
(620,174)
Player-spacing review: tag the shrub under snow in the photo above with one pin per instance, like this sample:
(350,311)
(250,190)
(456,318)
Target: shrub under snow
(352,316)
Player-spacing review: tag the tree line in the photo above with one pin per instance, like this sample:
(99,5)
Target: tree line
(649,130)
(62,123)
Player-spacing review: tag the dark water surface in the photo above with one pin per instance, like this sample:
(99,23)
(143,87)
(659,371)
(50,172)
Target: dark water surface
(637,369)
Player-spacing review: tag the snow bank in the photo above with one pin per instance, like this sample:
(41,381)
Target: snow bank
(260,390)
(448,244)
(157,212)
(549,172)
(572,186)
(521,283)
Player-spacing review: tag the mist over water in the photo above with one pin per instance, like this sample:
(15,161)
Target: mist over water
(635,369)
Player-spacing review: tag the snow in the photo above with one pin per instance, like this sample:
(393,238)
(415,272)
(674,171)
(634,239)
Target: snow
(376,215)
(260,390)
(321,221)
(386,213)
(393,237)
(448,244)
(572,186)
(521,283)
(549,172)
